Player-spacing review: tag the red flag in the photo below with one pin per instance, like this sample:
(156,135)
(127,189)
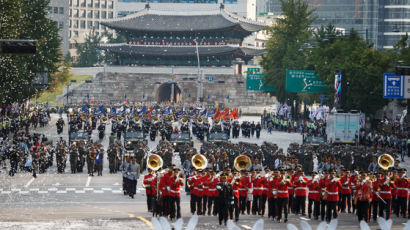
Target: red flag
(217,114)
(225,112)
(150,112)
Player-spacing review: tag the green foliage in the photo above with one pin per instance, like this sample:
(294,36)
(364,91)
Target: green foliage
(284,49)
(89,53)
(363,66)
(26,19)
(403,49)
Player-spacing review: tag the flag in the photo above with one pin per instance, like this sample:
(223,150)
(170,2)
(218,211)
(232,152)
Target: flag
(150,111)
(193,113)
(217,114)
(203,113)
(178,114)
(211,113)
(234,114)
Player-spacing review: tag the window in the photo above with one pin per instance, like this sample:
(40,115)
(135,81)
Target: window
(82,24)
(97,3)
(82,3)
(97,25)
(61,25)
(103,14)
(76,13)
(50,9)
(75,24)
(90,3)
(82,14)
(70,23)
(76,2)
(75,33)
(70,34)
(56,10)
(70,12)
(89,14)
(61,10)
(110,14)
(90,25)
(70,2)
(103,4)
(111,4)
(96,14)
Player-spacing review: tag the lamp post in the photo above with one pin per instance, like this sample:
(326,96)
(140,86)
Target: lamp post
(198,95)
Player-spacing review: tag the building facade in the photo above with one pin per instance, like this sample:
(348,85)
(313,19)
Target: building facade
(58,11)
(380,22)
(181,38)
(86,16)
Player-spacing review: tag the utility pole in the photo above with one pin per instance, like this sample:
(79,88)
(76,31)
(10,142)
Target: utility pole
(198,95)
(172,85)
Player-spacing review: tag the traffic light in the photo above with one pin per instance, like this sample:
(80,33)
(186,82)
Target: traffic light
(18,46)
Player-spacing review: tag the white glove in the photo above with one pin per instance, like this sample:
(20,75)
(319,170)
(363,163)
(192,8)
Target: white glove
(274,192)
(218,187)
(168,188)
(232,202)
(345,183)
(377,193)
(323,193)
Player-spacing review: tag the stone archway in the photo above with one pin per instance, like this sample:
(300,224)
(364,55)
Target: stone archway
(164,93)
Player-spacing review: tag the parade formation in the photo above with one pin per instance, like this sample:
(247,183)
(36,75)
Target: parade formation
(222,178)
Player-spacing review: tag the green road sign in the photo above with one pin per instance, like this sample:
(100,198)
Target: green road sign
(256,81)
(304,81)
(254,70)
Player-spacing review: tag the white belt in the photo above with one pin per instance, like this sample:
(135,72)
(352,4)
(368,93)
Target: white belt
(205,187)
(282,191)
(235,191)
(332,193)
(313,191)
(200,189)
(265,189)
(290,187)
(174,191)
(257,188)
(402,189)
(301,188)
(385,192)
(212,189)
(243,189)
(345,188)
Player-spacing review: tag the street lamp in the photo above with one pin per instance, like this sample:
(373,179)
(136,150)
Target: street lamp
(198,95)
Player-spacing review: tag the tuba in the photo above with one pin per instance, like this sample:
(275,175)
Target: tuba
(184,120)
(199,161)
(119,119)
(105,119)
(154,162)
(200,120)
(385,161)
(242,162)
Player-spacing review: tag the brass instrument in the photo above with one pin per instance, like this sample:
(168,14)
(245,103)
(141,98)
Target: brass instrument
(184,120)
(199,161)
(136,119)
(105,119)
(154,162)
(200,120)
(385,161)
(120,119)
(242,162)
(237,181)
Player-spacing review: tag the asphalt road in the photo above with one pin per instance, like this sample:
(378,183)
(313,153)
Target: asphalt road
(77,201)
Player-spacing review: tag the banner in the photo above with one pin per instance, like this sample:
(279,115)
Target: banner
(304,81)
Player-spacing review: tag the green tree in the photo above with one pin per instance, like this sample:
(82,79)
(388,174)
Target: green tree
(403,50)
(285,47)
(89,52)
(363,66)
(26,19)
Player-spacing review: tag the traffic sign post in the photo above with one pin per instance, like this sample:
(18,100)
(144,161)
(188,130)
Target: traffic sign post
(304,81)
(256,82)
(393,86)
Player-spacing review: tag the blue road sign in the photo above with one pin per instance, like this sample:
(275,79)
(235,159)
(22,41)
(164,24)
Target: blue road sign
(393,85)
(211,78)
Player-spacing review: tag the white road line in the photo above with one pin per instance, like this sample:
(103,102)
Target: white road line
(70,189)
(106,189)
(15,189)
(88,189)
(88,182)
(116,191)
(52,189)
(34,189)
(98,191)
(80,191)
(24,192)
(61,191)
(5,192)
(116,184)
(29,182)
(42,192)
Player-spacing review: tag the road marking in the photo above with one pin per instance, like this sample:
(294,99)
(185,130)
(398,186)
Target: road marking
(146,221)
(70,189)
(52,189)
(88,189)
(57,184)
(131,215)
(88,181)
(80,191)
(15,189)
(24,192)
(5,192)
(246,226)
(116,191)
(34,189)
(42,192)
(29,182)
(106,189)
(116,184)
(61,191)
(98,191)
